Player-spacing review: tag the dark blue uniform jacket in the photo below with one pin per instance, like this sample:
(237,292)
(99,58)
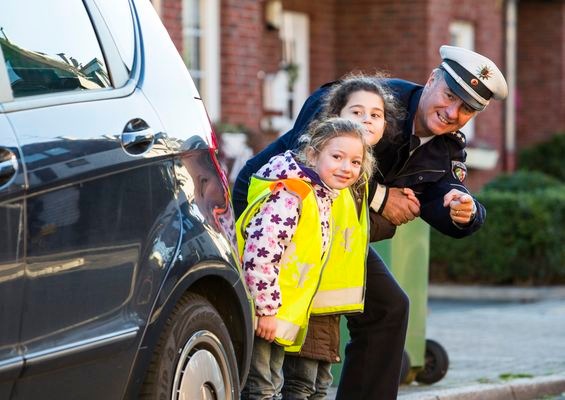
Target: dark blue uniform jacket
(429,171)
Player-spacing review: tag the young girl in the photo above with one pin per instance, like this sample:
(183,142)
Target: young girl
(285,234)
(365,100)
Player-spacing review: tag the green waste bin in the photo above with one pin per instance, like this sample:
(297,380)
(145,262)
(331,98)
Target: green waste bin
(407,256)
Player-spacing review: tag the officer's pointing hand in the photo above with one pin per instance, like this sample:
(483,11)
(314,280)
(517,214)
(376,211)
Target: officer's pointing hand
(462,206)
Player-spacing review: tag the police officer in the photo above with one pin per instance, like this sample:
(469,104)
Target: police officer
(428,157)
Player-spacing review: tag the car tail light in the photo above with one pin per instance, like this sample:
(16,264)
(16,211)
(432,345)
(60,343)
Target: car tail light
(213,143)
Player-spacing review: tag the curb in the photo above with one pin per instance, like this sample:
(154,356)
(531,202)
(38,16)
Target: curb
(518,389)
(476,292)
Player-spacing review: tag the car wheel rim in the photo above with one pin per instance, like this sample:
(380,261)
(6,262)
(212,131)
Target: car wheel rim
(202,371)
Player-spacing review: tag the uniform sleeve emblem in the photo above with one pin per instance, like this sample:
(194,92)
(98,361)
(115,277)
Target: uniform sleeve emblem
(459,170)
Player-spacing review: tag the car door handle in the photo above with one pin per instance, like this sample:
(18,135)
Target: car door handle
(137,137)
(8,165)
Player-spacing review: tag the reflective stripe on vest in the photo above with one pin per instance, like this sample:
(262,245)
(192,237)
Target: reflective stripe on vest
(302,261)
(342,288)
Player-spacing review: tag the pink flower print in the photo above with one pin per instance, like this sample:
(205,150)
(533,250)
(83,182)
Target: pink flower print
(277,165)
(270,228)
(290,202)
(251,247)
(268,209)
(249,280)
(266,269)
(261,298)
(272,242)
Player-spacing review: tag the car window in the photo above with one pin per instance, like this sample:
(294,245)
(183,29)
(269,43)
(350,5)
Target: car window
(117,14)
(55,50)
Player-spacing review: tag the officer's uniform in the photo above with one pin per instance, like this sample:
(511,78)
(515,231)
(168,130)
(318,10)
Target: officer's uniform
(432,170)
(374,354)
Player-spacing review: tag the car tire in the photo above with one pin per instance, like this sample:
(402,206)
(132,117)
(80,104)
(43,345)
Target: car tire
(194,358)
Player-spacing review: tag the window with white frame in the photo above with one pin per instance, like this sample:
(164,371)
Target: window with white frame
(462,34)
(201,49)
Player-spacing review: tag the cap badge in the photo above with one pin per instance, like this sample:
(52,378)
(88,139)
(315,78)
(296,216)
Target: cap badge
(484,72)
(474,82)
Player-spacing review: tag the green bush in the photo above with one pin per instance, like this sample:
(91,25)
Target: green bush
(546,157)
(521,242)
(523,181)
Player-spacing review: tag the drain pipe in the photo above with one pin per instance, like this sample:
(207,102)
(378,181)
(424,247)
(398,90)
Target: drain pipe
(510,103)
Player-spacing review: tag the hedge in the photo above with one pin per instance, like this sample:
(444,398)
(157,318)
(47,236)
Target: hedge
(546,157)
(523,181)
(521,242)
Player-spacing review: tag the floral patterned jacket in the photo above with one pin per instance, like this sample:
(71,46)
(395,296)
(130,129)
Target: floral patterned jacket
(271,229)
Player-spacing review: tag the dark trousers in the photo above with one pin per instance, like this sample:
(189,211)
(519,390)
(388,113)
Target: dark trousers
(373,356)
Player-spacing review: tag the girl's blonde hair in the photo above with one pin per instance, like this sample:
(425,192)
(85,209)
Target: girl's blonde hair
(322,132)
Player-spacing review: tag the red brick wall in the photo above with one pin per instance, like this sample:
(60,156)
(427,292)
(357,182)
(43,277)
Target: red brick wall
(242,27)
(383,35)
(541,71)
(171,15)
(322,17)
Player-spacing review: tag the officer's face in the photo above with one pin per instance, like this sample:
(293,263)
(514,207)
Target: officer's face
(440,111)
(368,109)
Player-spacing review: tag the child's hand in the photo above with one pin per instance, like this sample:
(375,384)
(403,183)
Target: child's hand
(401,206)
(266,327)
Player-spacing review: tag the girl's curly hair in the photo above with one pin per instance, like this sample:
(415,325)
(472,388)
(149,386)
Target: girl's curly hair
(338,96)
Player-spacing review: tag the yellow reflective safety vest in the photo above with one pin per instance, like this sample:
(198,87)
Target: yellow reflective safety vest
(302,262)
(342,288)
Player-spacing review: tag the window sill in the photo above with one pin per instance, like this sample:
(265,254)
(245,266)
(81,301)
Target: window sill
(480,158)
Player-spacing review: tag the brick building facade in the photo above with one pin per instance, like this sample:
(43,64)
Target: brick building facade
(400,38)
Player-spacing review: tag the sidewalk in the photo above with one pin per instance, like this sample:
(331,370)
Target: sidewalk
(519,389)
(492,334)
(476,292)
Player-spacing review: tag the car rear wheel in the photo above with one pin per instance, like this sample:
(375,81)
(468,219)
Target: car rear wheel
(194,359)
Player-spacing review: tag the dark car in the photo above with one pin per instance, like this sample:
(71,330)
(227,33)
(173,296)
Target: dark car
(119,274)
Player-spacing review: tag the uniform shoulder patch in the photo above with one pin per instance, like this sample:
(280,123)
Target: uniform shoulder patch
(459,170)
